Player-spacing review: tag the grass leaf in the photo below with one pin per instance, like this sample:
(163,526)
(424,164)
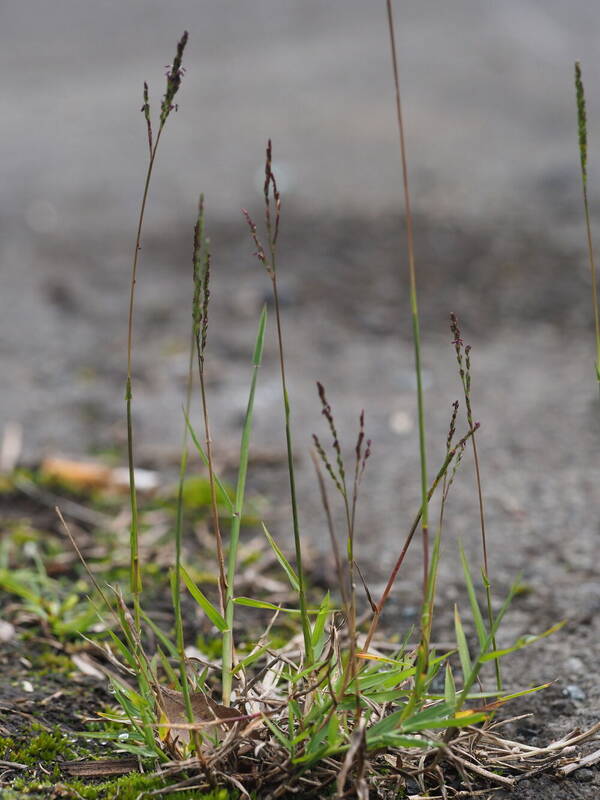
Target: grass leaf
(475,610)
(285,564)
(463,648)
(204,603)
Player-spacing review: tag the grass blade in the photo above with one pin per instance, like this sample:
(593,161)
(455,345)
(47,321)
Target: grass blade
(463,648)
(238,509)
(211,612)
(475,610)
(285,564)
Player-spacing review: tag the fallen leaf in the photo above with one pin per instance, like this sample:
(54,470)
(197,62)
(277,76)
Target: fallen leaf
(204,709)
(93,475)
(102,767)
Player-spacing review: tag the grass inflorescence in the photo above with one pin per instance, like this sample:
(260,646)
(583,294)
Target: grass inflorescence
(583,155)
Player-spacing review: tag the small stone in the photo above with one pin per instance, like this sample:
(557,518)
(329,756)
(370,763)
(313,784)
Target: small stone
(584,775)
(574,692)
(7,631)
(27,686)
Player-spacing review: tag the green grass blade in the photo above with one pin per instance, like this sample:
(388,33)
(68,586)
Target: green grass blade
(223,493)
(523,641)
(449,686)
(318,631)
(285,564)
(475,610)
(281,738)
(470,680)
(238,509)
(211,612)
(251,658)
(460,721)
(250,602)
(463,648)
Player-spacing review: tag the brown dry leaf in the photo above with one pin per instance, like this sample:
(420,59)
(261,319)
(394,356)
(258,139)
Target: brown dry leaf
(102,767)
(203,707)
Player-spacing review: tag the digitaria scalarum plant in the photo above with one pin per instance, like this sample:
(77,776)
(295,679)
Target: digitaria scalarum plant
(223,618)
(582,130)
(175,74)
(427,610)
(464,371)
(269,261)
(338,476)
(201,278)
(176,582)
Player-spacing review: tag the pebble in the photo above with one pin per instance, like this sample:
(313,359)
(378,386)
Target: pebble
(585,775)
(574,692)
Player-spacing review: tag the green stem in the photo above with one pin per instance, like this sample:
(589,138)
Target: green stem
(238,508)
(414,308)
(135,568)
(582,130)
(306,630)
(178,543)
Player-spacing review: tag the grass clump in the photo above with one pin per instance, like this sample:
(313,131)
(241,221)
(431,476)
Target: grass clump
(319,702)
(332,708)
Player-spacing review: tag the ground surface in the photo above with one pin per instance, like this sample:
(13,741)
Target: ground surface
(490,124)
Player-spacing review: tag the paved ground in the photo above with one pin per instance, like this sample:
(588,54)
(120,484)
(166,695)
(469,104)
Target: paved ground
(491,134)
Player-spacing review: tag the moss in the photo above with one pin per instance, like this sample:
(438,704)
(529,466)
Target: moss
(43,746)
(49,748)
(127,787)
(50,663)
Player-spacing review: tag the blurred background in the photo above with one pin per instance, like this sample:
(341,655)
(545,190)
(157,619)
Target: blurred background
(491,134)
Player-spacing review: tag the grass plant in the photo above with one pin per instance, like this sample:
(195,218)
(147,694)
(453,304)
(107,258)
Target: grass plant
(174,77)
(268,258)
(322,710)
(582,131)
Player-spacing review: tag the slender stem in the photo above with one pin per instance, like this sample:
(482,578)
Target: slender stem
(228,644)
(212,483)
(486,580)
(178,546)
(413,304)
(582,125)
(331,528)
(136,575)
(290,458)
(464,370)
(588,227)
